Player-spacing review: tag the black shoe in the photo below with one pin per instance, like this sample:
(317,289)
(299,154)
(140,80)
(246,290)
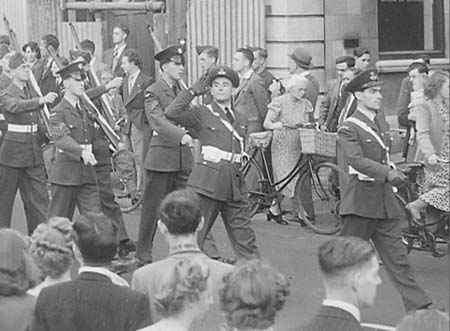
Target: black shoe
(126,248)
(277,218)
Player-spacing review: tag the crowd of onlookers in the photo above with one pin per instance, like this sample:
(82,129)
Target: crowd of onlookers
(39,288)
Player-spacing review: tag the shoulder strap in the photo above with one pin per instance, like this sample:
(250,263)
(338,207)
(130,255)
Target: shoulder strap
(229,127)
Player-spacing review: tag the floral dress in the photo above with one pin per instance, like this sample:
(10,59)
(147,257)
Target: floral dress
(436,187)
(286,148)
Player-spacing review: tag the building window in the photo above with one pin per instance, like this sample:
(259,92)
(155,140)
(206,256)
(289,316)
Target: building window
(408,27)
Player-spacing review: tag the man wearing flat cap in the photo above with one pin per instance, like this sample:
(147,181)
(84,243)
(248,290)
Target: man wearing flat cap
(368,206)
(216,176)
(73,178)
(21,160)
(207,56)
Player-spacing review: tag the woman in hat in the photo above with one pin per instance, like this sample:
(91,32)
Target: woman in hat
(18,273)
(51,248)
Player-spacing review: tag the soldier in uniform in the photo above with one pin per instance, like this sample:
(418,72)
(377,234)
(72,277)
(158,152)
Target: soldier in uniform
(368,207)
(21,160)
(73,176)
(207,56)
(216,176)
(5,81)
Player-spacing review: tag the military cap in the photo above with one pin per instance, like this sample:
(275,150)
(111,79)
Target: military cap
(16,60)
(171,54)
(302,57)
(223,71)
(365,79)
(75,54)
(350,60)
(72,70)
(213,51)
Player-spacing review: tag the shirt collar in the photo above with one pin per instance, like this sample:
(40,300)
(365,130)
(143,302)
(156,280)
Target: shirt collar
(167,81)
(133,76)
(246,75)
(120,49)
(348,307)
(116,279)
(73,103)
(369,114)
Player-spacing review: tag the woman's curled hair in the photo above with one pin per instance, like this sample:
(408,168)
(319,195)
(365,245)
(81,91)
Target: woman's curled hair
(252,295)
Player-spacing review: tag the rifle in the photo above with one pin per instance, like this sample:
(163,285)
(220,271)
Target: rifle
(44,111)
(109,114)
(94,113)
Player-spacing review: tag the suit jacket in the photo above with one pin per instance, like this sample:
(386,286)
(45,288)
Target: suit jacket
(251,99)
(108,57)
(371,199)
(221,180)
(330,103)
(165,152)
(332,318)
(268,78)
(134,101)
(147,280)
(46,80)
(21,150)
(91,302)
(70,129)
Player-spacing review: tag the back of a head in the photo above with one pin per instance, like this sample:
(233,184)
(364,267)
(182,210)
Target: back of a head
(87,45)
(424,320)
(180,212)
(51,40)
(248,54)
(340,255)
(252,295)
(96,238)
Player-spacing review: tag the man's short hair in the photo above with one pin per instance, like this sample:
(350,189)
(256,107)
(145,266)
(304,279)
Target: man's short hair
(421,67)
(360,51)
(87,45)
(133,56)
(341,254)
(125,29)
(212,52)
(248,54)
(96,237)
(424,58)
(180,212)
(51,40)
(261,52)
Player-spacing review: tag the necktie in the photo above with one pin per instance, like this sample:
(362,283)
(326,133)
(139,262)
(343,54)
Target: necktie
(229,115)
(174,89)
(115,58)
(130,84)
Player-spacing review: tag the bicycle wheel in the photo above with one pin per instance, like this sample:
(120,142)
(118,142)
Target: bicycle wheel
(319,209)
(258,187)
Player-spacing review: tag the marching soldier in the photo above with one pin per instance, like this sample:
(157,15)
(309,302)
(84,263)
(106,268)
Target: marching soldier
(73,176)
(217,177)
(21,160)
(368,207)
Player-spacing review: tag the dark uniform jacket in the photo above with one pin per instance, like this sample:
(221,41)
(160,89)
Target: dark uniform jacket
(251,99)
(361,196)
(108,57)
(91,302)
(5,81)
(21,150)
(332,318)
(165,152)
(70,128)
(221,180)
(330,102)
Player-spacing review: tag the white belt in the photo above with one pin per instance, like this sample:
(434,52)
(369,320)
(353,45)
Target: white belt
(214,154)
(87,147)
(2,117)
(361,176)
(22,128)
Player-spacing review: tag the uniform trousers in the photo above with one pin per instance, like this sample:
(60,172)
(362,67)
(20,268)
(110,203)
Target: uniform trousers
(236,218)
(386,236)
(158,185)
(66,197)
(31,183)
(107,199)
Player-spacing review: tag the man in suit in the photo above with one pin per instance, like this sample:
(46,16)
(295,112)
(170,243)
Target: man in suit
(368,206)
(112,57)
(180,221)
(73,178)
(259,67)
(349,269)
(216,176)
(331,102)
(96,299)
(207,56)
(21,160)
(133,86)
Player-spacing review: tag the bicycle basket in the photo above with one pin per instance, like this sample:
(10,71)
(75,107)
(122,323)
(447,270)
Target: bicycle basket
(317,142)
(259,139)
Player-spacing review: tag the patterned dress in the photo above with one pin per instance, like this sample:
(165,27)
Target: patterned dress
(286,148)
(436,187)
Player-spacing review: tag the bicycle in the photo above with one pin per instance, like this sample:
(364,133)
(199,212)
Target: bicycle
(421,234)
(315,169)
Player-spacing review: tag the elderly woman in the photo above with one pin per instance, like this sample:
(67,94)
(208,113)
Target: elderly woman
(285,113)
(51,248)
(184,297)
(432,124)
(18,273)
(251,297)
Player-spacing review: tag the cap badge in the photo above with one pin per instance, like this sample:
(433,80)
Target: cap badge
(180,51)
(373,76)
(221,72)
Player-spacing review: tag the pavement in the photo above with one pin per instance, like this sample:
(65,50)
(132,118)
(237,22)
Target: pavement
(292,250)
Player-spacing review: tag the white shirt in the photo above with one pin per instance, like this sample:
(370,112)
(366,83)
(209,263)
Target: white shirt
(116,279)
(348,307)
(132,80)
(119,49)
(369,114)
